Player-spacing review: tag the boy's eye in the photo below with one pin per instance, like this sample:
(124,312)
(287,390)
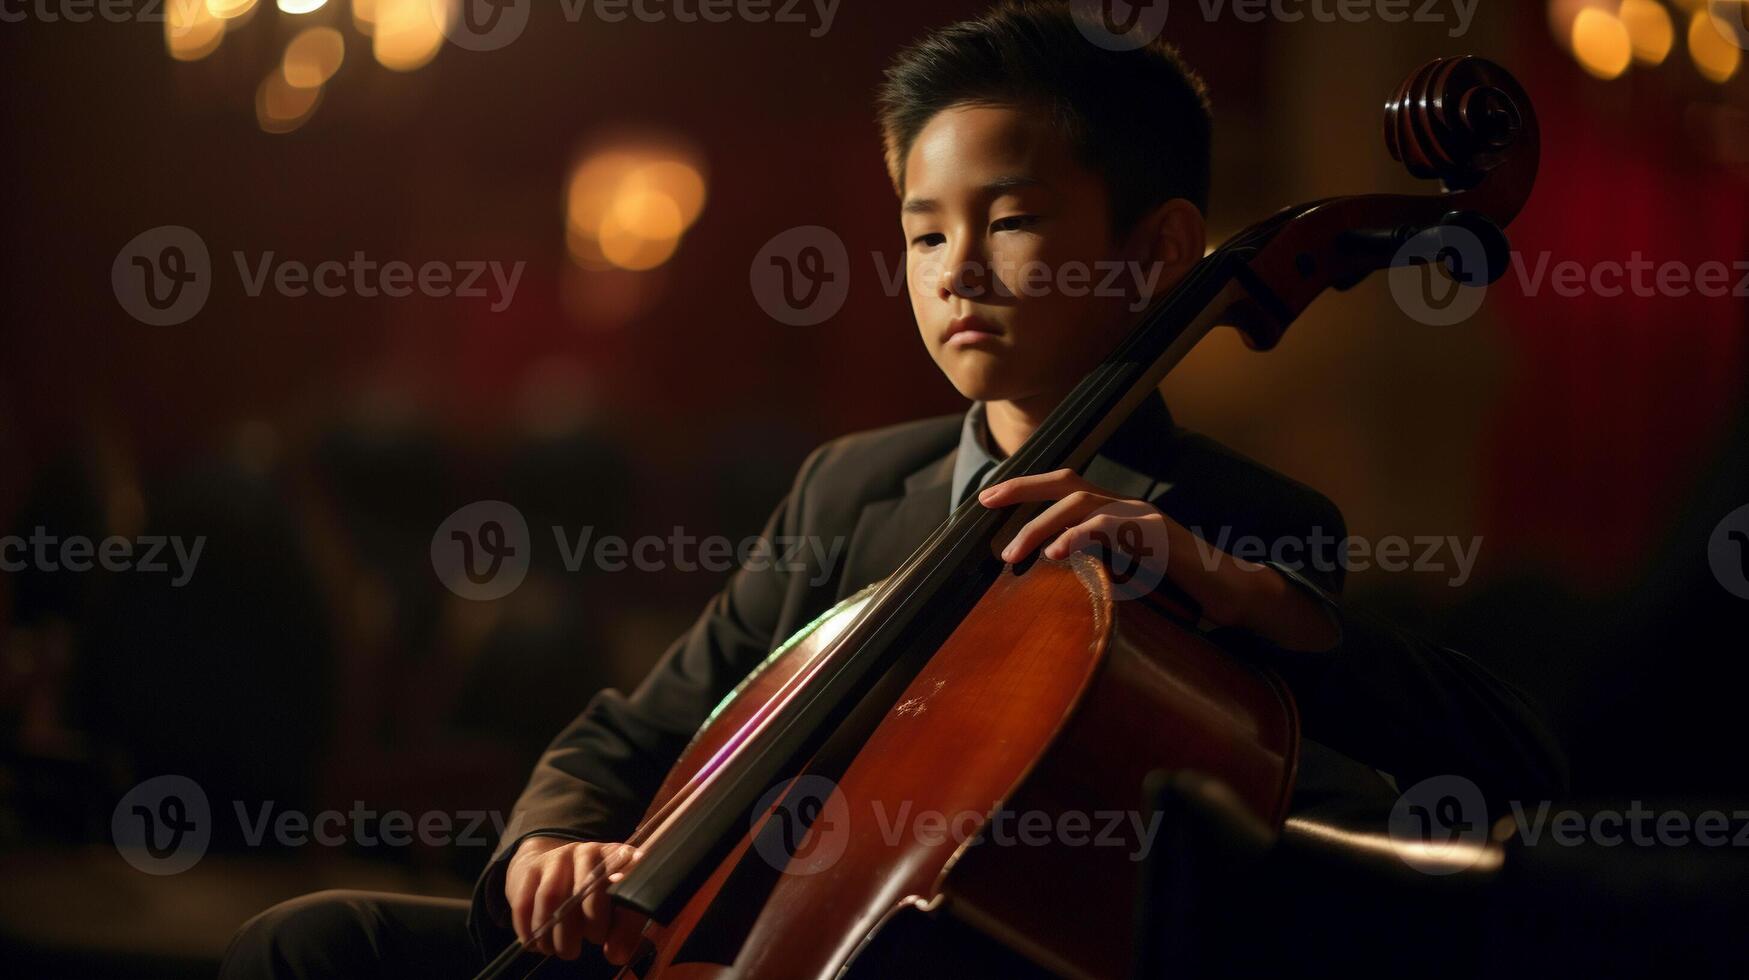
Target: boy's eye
(1014,222)
(929,239)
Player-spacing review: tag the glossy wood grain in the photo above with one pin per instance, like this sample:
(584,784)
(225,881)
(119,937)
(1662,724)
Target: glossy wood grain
(1051,698)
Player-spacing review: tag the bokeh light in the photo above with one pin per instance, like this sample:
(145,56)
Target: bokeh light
(313,57)
(1601,43)
(224,9)
(1607,36)
(1714,55)
(191,32)
(281,107)
(628,206)
(1649,30)
(1562,13)
(408,33)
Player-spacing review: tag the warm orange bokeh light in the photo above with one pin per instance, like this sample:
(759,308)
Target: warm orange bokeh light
(407,34)
(226,9)
(191,32)
(627,207)
(1649,30)
(1709,45)
(1601,43)
(313,57)
(281,107)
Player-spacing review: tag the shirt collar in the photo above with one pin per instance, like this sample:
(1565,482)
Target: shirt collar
(1130,447)
(975,461)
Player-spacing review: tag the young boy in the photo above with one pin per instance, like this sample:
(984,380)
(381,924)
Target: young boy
(1014,143)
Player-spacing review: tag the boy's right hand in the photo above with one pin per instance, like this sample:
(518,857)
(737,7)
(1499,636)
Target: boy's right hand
(544,872)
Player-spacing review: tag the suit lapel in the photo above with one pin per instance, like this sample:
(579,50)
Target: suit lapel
(887,531)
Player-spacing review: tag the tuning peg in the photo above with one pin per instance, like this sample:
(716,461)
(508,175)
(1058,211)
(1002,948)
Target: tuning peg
(1472,246)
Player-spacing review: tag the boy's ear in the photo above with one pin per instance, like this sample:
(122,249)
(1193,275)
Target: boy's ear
(1172,235)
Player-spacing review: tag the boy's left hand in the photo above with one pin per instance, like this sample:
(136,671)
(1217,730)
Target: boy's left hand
(1229,590)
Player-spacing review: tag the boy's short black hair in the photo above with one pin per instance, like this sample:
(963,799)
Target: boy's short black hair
(1139,118)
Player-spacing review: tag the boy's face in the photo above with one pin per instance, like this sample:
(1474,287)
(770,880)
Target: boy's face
(1010,255)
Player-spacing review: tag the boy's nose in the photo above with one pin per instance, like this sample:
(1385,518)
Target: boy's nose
(965,276)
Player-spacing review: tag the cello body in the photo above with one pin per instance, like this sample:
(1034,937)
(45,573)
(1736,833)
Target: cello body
(987,820)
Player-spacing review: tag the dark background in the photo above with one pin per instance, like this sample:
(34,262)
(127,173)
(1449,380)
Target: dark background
(1594,444)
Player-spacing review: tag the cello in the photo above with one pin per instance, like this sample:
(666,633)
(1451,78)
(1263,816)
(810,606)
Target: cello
(989,693)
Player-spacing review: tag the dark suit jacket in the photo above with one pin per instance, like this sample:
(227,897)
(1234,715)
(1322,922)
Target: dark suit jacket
(1392,701)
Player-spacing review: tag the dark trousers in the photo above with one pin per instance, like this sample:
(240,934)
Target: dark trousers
(352,935)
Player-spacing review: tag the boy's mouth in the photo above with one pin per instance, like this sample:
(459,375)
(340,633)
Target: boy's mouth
(967,330)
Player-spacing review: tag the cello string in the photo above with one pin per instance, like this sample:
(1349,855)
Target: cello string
(537,967)
(651,827)
(513,952)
